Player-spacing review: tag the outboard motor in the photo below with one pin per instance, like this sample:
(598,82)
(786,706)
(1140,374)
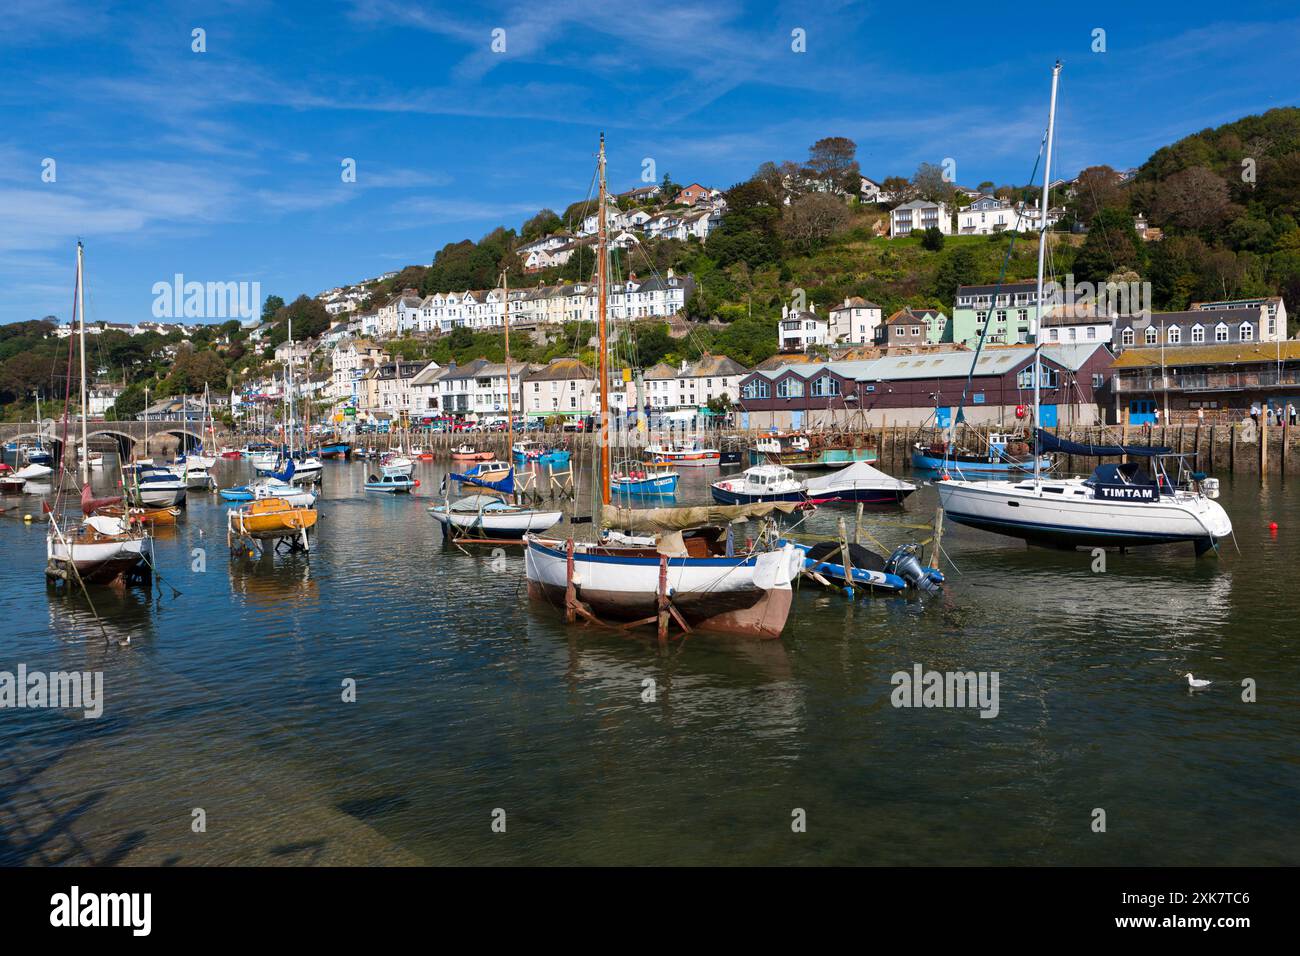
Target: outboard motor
(1210,486)
(906,563)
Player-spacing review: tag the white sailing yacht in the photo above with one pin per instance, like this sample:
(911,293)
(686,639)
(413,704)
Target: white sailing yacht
(102,548)
(689,569)
(1120,505)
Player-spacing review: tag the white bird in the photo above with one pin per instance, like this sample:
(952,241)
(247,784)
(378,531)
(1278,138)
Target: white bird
(1197,682)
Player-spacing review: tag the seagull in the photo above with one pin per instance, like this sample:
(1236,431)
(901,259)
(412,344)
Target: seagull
(1196,682)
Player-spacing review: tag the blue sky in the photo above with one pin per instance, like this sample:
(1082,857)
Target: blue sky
(225,166)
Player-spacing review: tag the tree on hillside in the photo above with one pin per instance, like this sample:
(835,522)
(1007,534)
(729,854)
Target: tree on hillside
(814,218)
(1112,244)
(1097,188)
(959,268)
(272,305)
(1192,200)
(932,239)
(543,224)
(929,183)
(832,160)
(900,187)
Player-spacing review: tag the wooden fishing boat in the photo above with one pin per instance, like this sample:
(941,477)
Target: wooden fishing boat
(270,518)
(809,450)
(633,478)
(101,549)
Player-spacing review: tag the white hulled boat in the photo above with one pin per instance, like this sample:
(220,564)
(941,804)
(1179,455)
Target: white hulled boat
(1121,505)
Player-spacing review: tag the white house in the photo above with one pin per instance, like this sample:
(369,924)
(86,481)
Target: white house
(798,330)
(855,321)
(985,216)
(919,215)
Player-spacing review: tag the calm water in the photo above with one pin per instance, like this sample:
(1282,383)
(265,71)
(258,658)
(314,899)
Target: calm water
(228,699)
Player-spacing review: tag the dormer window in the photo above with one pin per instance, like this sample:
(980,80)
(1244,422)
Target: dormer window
(1198,333)
(1151,335)
(1221,332)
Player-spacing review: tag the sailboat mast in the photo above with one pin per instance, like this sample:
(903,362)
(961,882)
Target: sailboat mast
(81,315)
(1042,262)
(288,390)
(602,278)
(510,404)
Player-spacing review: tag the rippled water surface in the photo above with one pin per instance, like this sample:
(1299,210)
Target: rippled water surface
(470,700)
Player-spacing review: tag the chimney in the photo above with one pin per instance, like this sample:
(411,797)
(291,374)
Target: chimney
(785,310)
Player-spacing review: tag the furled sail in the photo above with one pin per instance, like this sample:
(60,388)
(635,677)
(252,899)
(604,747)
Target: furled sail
(1050,443)
(655,520)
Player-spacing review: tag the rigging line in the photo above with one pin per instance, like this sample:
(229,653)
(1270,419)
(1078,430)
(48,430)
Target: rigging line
(1006,261)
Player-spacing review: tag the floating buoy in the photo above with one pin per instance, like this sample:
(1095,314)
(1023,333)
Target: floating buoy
(27,519)
(1272,526)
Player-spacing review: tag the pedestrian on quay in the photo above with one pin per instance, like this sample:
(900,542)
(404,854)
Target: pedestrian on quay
(1200,417)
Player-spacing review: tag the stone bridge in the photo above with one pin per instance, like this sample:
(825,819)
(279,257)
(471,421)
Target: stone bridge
(123,438)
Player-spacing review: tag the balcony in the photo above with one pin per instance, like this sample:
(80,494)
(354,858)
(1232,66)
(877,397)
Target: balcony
(1206,381)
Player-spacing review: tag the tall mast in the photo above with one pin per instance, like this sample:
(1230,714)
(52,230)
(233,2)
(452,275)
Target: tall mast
(81,314)
(602,278)
(288,390)
(1042,262)
(510,403)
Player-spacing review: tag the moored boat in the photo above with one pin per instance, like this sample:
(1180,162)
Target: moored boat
(689,454)
(759,483)
(270,518)
(392,484)
(859,482)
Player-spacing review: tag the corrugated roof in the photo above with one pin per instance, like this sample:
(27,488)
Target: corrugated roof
(1184,355)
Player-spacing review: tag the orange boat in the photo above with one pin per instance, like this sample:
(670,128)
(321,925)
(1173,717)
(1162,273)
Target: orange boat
(138,516)
(271,518)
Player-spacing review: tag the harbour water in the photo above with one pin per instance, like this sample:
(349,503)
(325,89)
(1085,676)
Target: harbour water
(469,700)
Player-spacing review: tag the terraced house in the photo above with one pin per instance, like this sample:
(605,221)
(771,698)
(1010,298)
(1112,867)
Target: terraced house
(563,387)
(1196,327)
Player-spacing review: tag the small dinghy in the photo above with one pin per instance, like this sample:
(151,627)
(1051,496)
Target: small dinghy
(901,571)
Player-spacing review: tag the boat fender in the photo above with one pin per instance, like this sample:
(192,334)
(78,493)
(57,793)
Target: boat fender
(417,482)
(1021,411)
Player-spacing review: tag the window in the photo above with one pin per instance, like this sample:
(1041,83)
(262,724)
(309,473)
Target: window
(1025,379)
(1054,335)
(1198,333)
(1126,337)
(1151,335)
(1098,380)
(756,389)
(1247,332)
(1221,332)
(1175,335)
(789,388)
(1092,332)
(826,387)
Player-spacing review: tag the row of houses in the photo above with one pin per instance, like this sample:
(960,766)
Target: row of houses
(1007,314)
(484,309)
(984,216)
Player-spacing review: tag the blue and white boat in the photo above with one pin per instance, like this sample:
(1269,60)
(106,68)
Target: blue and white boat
(634,479)
(760,483)
(394,484)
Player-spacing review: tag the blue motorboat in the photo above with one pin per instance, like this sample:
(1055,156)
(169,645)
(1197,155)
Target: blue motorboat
(661,484)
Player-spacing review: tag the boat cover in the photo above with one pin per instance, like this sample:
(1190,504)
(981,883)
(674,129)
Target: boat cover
(91,504)
(1048,442)
(506,485)
(680,519)
(285,475)
(857,475)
